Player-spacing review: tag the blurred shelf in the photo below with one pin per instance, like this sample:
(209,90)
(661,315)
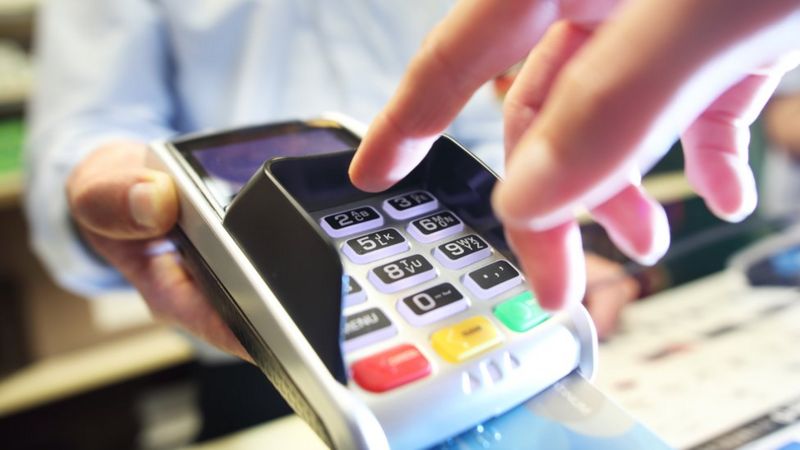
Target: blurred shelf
(10,188)
(66,375)
(668,187)
(16,20)
(17,7)
(12,108)
(16,74)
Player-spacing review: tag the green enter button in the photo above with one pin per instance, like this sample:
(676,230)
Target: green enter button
(521,313)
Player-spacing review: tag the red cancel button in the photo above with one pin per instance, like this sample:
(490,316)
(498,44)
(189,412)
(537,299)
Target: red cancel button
(391,368)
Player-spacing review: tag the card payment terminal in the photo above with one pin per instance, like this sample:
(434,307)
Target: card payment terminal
(396,319)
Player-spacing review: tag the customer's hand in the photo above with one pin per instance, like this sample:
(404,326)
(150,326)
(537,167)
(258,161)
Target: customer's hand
(602,95)
(123,210)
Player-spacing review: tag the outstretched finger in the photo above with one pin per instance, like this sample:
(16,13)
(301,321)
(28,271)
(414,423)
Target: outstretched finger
(716,147)
(553,263)
(636,223)
(474,43)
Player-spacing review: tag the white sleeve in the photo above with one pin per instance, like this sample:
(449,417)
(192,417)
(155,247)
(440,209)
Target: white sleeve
(102,71)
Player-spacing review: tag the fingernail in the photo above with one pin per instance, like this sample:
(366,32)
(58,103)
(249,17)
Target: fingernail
(143,202)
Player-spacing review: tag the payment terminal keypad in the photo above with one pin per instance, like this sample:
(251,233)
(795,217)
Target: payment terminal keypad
(424,290)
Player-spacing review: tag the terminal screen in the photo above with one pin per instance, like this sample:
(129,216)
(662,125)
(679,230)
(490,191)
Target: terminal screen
(226,167)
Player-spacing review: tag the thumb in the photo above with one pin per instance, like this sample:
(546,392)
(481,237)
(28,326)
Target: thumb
(113,194)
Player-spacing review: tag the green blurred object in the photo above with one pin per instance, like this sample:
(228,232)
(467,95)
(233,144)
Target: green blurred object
(521,313)
(11,135)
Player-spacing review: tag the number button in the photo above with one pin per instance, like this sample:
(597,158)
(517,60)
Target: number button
(432,304)
(365,328)
(355,293)
(492,280)
(462,252)
(374,246)
(466,339)
(409,205)
(351,221)
(436,226)
(401,274)
(391,368)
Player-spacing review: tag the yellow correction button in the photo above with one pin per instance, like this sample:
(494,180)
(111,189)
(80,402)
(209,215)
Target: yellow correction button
(466,339)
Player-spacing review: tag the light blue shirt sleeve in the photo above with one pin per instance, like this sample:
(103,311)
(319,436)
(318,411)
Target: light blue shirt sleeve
(148,69)
(102,73)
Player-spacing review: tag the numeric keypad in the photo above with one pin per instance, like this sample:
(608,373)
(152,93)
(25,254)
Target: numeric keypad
(426,265)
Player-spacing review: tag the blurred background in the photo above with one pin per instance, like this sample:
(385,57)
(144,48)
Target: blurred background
(100,374)
(74,374)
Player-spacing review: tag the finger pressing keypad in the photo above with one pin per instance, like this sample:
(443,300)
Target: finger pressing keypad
(448,296)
